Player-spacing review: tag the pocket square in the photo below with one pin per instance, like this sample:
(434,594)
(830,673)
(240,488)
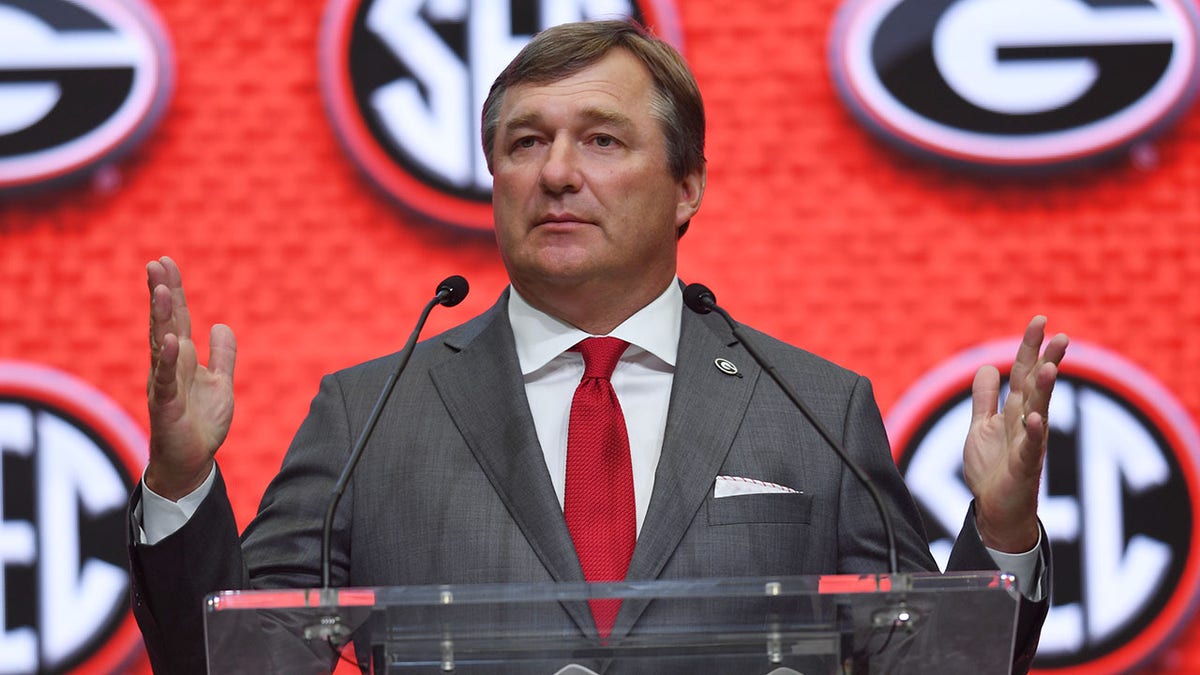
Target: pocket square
(730,486)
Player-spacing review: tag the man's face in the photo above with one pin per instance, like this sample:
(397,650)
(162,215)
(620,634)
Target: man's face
(582,194)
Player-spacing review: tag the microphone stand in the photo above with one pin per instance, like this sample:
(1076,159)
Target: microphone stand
(701,300)
(450,292)
(895,617)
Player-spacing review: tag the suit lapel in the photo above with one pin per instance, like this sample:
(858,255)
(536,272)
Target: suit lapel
(707,406)
(484,392)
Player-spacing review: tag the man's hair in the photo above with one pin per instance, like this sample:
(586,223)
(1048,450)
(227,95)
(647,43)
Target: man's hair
(560,52)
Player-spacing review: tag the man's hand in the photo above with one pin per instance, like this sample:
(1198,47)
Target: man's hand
(191,406)
(1003,455)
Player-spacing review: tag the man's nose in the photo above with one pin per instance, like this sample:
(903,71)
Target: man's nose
(560,172)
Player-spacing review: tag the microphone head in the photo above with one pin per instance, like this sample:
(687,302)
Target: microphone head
(698,298)
(452,290)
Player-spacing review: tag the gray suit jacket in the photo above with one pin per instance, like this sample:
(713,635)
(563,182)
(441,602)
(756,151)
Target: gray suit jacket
(453,487)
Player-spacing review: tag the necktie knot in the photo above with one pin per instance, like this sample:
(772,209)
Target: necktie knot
(600,355)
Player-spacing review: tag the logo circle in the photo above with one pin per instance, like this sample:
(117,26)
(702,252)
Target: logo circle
(1122,451)
(1012,84)
(81,84)
(69,457)
(403,87)
(726,366)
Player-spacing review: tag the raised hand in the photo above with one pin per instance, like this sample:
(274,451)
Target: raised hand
(191,406)
(1004,451)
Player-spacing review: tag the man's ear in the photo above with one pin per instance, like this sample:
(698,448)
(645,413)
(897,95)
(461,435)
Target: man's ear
(691,193)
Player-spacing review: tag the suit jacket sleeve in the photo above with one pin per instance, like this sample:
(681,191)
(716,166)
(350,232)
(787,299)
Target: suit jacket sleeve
(171,578)
(968,554)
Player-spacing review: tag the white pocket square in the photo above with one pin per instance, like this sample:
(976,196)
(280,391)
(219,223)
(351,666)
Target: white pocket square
(730,486)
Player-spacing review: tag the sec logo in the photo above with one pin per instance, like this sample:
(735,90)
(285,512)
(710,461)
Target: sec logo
(68,460)
(404,83)
(1120,500)
(81,83)
(1016,83)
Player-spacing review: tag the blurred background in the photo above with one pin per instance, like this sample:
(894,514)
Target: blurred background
(312,165)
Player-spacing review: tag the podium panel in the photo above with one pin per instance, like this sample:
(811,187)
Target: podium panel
(822,625)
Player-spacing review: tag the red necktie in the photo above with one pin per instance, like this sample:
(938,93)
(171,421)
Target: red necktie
(598,504)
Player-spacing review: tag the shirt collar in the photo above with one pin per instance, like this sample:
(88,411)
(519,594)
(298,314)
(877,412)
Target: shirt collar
(540,337)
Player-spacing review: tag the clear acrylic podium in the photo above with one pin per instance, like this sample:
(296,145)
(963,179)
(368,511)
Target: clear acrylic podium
(821,625)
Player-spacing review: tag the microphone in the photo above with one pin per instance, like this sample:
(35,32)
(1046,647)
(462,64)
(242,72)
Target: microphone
(702,301)
(449,293)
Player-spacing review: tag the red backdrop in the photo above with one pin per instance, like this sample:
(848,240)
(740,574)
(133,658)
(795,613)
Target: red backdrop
(810,230)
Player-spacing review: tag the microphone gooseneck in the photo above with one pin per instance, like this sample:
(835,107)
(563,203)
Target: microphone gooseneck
(449,293)
(701,300)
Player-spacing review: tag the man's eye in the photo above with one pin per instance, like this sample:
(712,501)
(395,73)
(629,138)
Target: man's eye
(525,142)
(605,141)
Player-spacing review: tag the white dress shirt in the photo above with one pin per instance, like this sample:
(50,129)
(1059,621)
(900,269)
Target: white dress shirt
(642,381)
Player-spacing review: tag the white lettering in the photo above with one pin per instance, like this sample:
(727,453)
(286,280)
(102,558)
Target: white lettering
(432,128)
(969,35)
(1061,515)
(24,104)
(18,544)
(436,123)
(491,45)
(1116,456)
(76,596)
(1120,454)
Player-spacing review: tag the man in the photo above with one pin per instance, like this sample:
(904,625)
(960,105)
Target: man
(594,135)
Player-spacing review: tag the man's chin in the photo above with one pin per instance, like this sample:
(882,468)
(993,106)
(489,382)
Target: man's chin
(560,272)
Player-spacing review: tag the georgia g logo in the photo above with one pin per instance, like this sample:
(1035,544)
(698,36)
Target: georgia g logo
(81,82)
(405,80)
(1016,83)
(1120,500)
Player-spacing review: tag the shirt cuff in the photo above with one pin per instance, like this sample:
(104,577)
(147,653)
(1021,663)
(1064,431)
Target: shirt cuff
(157,517)
(1027,567)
